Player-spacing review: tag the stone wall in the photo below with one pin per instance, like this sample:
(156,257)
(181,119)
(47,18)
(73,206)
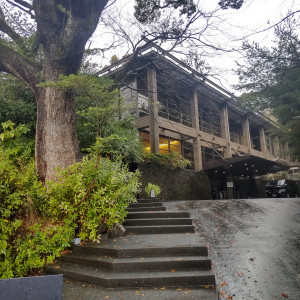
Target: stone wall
(175,184)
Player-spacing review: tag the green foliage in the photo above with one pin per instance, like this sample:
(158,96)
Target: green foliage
(38,223)
(121,140)
(150,10)
(16,102)
(101,112)
(19,194)
(172,159)
(235,4)
(93,191)
(151,186)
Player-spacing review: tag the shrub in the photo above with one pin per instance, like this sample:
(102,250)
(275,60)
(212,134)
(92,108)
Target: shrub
(93,191)
(38,223)
(172,159)
(151,186)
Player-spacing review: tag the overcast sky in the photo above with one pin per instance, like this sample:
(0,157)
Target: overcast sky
(253,17)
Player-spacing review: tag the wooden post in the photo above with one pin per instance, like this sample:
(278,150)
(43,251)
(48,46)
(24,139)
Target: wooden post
(262,139)
(225,130)
(246,133)
(153,109)
(276,145)
(198,165)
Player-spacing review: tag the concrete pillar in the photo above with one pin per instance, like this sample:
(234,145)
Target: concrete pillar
(262,139)
(153,109)
(276,145)
(287,151)
(135,96)
(196,141)
(246,133)
(225,130)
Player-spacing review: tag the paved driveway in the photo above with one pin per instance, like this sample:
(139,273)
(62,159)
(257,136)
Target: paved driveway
(255,245)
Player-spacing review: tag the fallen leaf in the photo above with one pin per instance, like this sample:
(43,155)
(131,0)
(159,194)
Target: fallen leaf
(223,283)
(240,273)
(173,271)
(251,259)
(57,267)
(106,297)
(163,288)
(223,294)
(285,295)
(229,298)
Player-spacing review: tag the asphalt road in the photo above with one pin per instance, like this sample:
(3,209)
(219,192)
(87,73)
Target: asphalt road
(255,245)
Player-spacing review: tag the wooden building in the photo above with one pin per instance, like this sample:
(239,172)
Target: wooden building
(180,110)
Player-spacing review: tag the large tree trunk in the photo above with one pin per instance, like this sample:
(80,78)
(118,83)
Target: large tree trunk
(56,139)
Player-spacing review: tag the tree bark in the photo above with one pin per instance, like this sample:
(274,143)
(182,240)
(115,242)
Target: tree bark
(56,139)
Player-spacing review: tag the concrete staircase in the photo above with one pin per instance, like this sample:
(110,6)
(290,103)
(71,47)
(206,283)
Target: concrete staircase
(160,249)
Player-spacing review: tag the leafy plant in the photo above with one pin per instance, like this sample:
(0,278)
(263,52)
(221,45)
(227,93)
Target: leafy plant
(38,223)
(172,159)
(154,187)
(93,191)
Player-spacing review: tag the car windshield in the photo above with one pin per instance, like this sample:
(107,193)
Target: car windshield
(280,182)
(273,182)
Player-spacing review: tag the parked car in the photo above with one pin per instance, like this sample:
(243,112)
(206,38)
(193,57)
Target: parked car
(282,188)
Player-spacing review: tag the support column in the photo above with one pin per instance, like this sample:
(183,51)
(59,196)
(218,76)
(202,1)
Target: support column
(262,140)
(225,130)
(287,151)
(196,141)
(276,145)
(153,109)
(135,96)
(246,133)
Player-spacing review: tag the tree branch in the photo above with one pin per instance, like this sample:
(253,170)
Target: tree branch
(5,28)
(274,25)
(21,4)
(19,66)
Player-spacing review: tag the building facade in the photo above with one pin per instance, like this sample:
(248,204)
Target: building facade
(179,110)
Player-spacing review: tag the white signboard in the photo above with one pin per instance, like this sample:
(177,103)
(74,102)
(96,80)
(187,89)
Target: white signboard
(152,194)
(230,184)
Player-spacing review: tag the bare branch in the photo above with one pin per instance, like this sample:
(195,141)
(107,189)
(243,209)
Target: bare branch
(274,25)
(24,3)
(5,28)
(21,4)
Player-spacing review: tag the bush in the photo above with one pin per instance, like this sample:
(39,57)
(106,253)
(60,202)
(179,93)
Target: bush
(151,186)
(172,159)
(94,191)
(38,223)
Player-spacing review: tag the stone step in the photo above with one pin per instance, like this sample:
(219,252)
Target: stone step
(171,278)
(149,200)
(150,208)
(160,229)
(149,204)
(137,264)
(160,221)
(157,215)
(139,251)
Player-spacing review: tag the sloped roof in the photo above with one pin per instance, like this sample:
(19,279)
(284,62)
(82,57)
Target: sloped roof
(178,70)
